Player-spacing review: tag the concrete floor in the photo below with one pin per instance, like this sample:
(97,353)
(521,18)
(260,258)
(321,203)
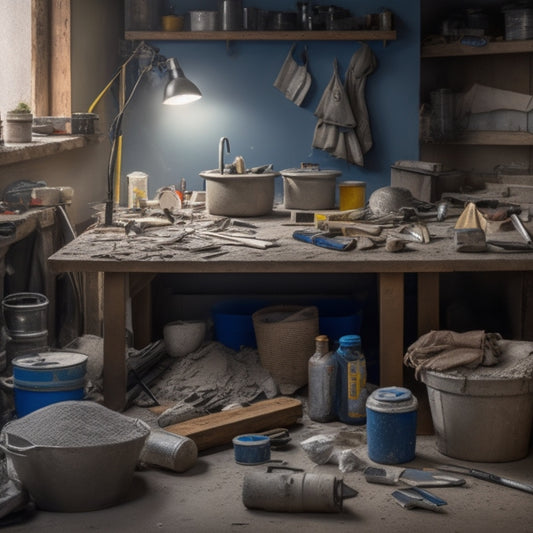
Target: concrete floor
(208,498)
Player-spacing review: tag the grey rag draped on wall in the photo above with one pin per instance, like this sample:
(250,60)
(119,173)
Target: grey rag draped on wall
(343,127)
(293,79)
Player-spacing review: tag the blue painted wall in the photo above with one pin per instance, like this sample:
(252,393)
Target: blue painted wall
(240,102)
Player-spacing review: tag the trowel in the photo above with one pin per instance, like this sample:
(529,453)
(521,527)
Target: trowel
(411,476)
(415,497)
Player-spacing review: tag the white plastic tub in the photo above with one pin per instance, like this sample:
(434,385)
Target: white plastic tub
(484,414)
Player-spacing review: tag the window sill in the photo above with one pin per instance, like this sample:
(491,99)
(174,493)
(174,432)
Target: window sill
(44,147)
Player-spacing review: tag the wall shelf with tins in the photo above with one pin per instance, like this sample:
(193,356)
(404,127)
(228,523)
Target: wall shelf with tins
(304,35)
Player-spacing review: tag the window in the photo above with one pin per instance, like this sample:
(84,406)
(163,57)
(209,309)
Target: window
(35,39)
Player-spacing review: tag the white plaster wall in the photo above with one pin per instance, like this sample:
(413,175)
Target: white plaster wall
(97,28)
(15,43)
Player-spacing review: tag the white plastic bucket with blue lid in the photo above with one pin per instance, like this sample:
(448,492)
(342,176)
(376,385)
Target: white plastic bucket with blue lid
(391,425)
(44,378)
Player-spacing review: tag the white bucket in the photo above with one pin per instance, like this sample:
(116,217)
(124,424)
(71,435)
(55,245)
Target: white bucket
(484,414)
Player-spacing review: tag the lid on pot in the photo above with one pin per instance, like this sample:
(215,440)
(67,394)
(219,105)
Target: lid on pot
(49,360)
(392,400)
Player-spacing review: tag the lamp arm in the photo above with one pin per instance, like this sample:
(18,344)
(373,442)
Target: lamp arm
(141,45)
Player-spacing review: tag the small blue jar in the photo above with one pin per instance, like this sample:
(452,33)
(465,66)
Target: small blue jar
(391,414)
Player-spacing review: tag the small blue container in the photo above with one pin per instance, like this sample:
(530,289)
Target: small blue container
(44,378)
(391,414)
(251,449)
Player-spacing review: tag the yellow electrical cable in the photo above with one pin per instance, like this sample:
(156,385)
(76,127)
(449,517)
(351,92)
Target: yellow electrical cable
(100,96)
(118,170)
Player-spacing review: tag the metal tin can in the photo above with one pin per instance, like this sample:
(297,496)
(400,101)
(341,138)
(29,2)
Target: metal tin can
(169,451)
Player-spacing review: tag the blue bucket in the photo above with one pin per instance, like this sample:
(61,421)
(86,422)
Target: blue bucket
(338,317)
(233,322)
(391,414)
(251,449)
(44,378)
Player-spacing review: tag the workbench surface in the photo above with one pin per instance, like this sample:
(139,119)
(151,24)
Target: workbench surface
(132,259)
(112,250)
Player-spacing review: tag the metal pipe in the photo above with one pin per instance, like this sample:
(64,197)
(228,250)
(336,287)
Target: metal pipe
(223,140)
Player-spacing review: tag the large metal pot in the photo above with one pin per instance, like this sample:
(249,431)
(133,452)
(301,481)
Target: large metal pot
(74,456)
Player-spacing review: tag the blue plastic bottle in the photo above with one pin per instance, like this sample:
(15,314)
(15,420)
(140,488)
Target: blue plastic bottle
(351,393)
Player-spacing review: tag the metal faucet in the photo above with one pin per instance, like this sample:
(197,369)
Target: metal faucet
(221,153)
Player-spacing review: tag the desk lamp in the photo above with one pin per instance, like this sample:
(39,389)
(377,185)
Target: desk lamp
(178,90)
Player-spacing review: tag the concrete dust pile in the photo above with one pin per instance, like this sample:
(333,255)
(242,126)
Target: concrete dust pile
(208,380)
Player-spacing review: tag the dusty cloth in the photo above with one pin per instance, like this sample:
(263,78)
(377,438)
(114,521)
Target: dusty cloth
(293,79)
(443,349)
(335,131)
(362,64)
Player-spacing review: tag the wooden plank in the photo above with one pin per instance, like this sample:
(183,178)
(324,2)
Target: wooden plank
(391,313)
(220,428)
(115,374)
(292,35)
(458,49)
(40,57)
(428,302)
(60,60)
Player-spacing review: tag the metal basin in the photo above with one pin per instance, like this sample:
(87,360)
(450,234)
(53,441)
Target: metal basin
(309,189)
(239,195)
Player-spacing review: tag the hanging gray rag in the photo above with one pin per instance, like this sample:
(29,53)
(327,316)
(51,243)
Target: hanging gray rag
(334,131)
(362,64)
(294,80)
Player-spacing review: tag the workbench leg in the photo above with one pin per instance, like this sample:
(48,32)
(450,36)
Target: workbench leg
(116,291)
(428,302)
(391,323)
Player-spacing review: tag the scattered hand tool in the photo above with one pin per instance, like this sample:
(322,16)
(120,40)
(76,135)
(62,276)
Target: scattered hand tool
(279,437)
(415,497)
(244,241)
(325,240)
(411,476)
(517,223)
(493,478)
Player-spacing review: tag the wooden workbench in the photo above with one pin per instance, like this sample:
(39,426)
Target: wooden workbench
(127,260)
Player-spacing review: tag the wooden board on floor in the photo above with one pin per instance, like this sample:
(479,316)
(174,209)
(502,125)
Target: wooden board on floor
(220,428)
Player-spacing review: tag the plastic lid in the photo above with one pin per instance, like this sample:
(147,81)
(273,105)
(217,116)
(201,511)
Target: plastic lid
(49,360)
(352,184)
(392,400)
(350,340)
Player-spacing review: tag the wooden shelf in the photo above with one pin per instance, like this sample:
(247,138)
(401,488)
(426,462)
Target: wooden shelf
(456,49)
(491,138)
(363,35)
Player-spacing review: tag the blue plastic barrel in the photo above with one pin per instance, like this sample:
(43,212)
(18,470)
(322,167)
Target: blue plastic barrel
(44,378)
(391,415)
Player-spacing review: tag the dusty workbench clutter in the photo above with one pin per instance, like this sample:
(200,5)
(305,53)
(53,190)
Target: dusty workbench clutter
(407,235)
(325,468)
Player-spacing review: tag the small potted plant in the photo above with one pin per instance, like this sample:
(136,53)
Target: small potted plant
(19,123)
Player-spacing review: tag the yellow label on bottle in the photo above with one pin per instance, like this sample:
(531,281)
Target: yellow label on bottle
(356,380)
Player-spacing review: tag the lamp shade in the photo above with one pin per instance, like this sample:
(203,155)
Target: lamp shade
(179,90)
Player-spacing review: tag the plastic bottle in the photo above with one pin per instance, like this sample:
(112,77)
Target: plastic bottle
(351,392)
(321,401)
